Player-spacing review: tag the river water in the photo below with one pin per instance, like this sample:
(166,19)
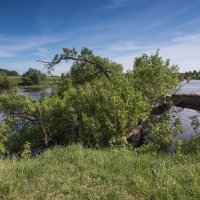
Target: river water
(184,115)
(35,92)
(188,88)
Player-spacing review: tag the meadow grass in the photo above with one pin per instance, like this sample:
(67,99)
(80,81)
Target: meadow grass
(75,172)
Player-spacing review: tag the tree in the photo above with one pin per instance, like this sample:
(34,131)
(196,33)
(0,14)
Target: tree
(72,54)
(154,77)
(33,77)
(13,73)
(94,111)
(151,76)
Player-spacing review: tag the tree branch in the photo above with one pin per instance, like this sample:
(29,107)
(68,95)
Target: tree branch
(98,66)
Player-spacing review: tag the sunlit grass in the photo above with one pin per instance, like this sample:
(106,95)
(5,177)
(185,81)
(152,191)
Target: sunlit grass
(75,172)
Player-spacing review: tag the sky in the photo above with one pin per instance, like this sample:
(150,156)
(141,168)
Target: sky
(120,30)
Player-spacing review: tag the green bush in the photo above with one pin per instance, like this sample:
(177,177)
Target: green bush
(191,146)
(26,153)
(5,82)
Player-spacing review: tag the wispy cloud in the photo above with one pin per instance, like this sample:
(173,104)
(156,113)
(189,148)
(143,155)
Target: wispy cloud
(5,53)
(194,38)
(117,4)
(127,46)
(11,46)
(188,24)
(42,52)
(124,46)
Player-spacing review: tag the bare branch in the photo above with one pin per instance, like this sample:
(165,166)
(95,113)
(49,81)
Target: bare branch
(99,67)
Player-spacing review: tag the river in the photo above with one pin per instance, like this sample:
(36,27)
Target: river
(34,92)
(187,88)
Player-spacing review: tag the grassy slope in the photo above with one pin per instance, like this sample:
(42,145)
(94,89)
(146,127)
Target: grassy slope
(77,173)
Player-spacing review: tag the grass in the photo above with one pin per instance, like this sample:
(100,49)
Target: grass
(75,172)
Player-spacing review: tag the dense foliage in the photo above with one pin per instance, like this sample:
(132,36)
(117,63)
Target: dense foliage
(5,82)
(33,77)
(92,106)
(9,72)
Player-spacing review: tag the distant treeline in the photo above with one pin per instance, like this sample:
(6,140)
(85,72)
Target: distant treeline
(8,72)
(195,75)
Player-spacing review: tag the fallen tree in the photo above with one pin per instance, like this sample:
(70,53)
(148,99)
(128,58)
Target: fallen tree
(190,101)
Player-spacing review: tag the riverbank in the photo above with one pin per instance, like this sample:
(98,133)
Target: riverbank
(75,172)
(48,82)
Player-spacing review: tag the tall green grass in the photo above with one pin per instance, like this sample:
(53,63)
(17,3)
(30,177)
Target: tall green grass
(75,172)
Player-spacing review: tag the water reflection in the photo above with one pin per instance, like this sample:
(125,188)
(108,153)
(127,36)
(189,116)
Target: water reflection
(35,92)
(188,88)
(186,121)
(192,87)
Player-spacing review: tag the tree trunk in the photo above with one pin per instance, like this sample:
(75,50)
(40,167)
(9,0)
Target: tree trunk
(190,101)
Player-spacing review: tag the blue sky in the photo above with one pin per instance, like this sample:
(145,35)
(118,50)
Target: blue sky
(117,29)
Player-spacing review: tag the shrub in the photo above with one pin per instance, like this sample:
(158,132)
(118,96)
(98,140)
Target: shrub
(26,153)
(192,145)
(5,82)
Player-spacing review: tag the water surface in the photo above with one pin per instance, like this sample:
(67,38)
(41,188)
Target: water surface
(193,87)
(34,92)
